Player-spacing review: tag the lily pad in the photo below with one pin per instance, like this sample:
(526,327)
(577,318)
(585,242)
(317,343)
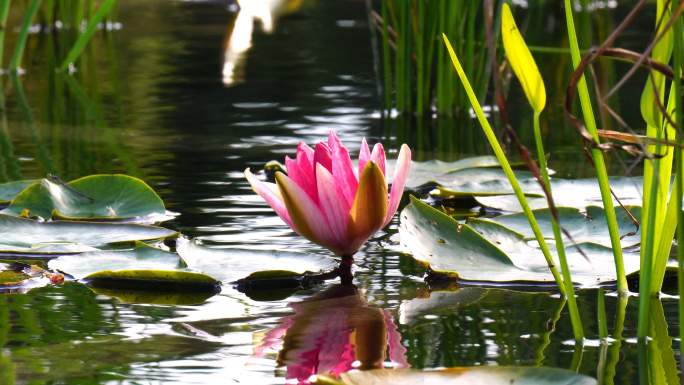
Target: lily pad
(589,227)
(111,197)
(20,233)
(486,251)
(255,268)
(435,170)
(15,279)
(479,182)
(43,250)
(10,189)
(578,193)
(142,257)
(144,267)
(490,375)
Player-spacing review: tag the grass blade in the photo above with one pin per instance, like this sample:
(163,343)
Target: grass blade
(85,37)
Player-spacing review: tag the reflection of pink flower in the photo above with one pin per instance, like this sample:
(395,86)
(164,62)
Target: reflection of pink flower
(330,202)
(333,332)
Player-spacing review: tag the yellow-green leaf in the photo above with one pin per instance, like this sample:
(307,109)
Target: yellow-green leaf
(522,62)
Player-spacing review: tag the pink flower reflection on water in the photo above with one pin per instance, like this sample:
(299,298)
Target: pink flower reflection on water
(333,332)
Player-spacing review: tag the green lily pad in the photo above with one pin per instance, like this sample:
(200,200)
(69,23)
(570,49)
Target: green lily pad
(20,234)
(43,250)
(486,251)
(254,268)
(153,280)
(478,375)
(578,193)
(111,197)
(479,182)
(142,257)
(10,189)
(590,227)
(14,279)
(143,267)
(433,171)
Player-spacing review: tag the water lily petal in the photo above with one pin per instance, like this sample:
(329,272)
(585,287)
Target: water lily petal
(332,204)
(342,168)
(364,155)
(307,218)
(299,171)
(378,156)
(399,181)
(270,193)
(370,205)
(322,156)
(305,155)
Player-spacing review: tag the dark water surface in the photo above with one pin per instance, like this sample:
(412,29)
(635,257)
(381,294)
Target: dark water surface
(151,99)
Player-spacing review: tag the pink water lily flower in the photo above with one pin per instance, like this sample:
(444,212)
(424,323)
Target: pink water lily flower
(327,200)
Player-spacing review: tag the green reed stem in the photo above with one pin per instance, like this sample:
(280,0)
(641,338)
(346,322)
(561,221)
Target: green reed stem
(597,155)
(15,61)
(503,161)
(645,274)
(85,37)
(575,318)
(4,12)
(679,177)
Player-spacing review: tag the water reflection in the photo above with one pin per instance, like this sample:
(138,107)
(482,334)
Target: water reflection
(332,332)
(238,39)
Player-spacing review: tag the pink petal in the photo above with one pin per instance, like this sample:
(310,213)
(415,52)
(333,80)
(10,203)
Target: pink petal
(378,156)
(269,192)
(306,153)
(342,169)
(322,156)
(307,218)
(399,181)
(332,204)
(364,155)
(300,171)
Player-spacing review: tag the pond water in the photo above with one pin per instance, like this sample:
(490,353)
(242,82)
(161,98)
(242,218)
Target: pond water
(170,96)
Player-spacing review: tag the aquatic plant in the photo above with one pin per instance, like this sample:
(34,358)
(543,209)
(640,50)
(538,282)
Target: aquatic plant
(327,200)
(79,16)
(420,79)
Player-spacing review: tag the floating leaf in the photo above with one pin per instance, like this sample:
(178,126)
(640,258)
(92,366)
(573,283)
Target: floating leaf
(478,375)
(491,189)
(431,171)
(111,197)
(15,279)
(521,60)
(589,227)
(482,250)
(22,233)
(43,250)
(142,257)
(144,267)
(153,280)
(10,189)
(477,182)
(254,268)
